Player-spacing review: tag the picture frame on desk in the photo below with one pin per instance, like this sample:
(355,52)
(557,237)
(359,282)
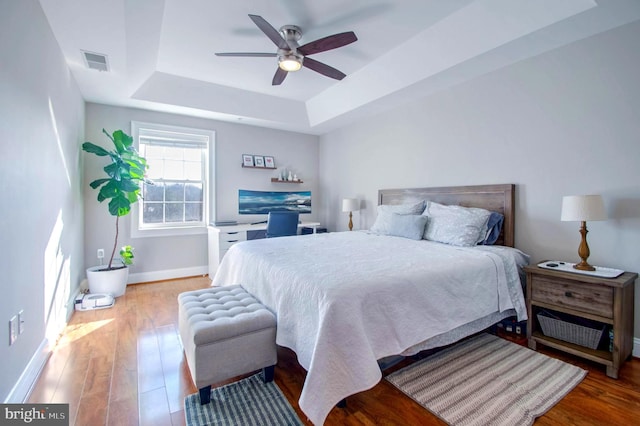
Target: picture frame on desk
(247,160)
(258,160)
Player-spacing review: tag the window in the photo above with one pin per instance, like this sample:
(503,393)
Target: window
(178,199)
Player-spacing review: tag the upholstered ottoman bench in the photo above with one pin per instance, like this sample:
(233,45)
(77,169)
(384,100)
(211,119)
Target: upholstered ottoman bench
(225,332)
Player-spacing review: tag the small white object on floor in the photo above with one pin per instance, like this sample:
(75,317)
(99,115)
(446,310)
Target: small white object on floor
(88,301)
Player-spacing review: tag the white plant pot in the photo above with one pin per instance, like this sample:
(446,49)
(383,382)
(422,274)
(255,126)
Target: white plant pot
(105,281)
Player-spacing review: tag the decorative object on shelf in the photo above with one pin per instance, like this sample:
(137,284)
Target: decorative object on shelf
(247,160)
(290,176)
(269,162)
(279,180)
(295,177)
(258,161)
(350,205)
(583,208)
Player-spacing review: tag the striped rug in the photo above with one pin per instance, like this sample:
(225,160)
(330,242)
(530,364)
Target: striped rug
(487,380)
(247,402)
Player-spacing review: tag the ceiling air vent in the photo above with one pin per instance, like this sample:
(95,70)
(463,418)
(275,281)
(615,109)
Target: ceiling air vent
(95,61)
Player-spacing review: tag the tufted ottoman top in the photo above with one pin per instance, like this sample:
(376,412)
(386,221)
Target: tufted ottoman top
(218,313)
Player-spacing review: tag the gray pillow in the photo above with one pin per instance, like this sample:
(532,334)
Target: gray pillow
(456,225)
(383,219)
(407,225)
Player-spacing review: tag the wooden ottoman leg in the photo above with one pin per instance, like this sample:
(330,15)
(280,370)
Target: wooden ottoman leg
(205,395)
(268,373)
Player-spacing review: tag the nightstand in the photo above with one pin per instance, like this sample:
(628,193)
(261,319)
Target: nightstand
(607,301)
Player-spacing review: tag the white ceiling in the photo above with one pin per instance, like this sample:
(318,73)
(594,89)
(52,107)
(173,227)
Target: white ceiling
(161,52)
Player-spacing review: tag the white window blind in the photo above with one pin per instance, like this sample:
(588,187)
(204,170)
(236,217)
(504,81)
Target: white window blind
(178,160)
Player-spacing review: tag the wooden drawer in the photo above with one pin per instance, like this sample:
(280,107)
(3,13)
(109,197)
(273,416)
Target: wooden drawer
(589,298)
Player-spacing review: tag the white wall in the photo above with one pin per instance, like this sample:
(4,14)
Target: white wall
(41,220)
(165,257)
(566,122)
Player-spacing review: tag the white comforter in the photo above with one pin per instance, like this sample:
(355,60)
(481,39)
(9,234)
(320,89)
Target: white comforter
(344,300)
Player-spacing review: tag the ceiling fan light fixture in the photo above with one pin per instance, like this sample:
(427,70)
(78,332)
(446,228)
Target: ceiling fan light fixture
(291,56)
(290,62)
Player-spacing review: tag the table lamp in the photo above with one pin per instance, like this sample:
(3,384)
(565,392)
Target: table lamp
(582,208)
(350,205)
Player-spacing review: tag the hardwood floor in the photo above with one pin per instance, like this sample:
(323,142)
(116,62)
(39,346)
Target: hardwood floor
(125,366)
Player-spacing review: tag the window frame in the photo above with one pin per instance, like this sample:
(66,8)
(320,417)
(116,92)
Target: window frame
(199,136)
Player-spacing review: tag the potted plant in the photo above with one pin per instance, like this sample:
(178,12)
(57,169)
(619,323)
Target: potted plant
(125,172)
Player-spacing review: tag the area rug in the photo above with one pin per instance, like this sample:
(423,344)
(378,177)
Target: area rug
(247,402)
(487,380)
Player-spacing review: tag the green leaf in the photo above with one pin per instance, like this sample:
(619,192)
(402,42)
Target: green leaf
(133,196)
(119,205)
(114,170)
(129,186)
(109,190)
(94,149)
(126,254)
(122,141)
(136,172)
(96,183)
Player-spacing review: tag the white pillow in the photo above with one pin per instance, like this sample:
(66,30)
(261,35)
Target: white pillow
(383,219)
(456,225)
(407,225)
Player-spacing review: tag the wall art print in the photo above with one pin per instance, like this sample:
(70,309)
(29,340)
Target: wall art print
(263,202)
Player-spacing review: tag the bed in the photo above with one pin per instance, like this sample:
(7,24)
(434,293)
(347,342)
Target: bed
(345,300)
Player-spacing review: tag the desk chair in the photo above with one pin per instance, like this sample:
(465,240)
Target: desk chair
(282,224)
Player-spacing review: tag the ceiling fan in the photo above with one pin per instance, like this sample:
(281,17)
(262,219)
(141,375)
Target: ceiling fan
(291,56)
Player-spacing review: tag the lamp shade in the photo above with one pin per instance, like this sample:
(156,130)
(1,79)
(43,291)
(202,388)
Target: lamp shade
(582,208)
(350,205)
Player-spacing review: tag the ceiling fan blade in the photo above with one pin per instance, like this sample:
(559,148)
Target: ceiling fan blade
(323,69)
(328,43)
(271,32)
(248,54)
(279,77)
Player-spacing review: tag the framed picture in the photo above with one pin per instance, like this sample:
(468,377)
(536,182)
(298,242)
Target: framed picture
(258,160)
(247,160)
(269,162)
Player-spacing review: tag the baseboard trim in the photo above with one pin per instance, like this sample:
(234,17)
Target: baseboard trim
(29,376)
(167,274)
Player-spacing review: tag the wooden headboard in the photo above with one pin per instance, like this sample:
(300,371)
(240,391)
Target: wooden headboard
(495,198)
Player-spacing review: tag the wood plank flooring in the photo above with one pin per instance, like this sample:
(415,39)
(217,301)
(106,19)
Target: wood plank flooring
(125,366)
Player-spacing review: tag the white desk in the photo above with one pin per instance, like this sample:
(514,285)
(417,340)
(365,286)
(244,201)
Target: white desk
(221,238)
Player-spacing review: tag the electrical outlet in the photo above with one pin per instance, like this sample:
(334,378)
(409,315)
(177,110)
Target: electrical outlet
(100,253)
(13,330)
(21,322)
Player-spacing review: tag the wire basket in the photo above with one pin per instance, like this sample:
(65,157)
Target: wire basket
(557,328)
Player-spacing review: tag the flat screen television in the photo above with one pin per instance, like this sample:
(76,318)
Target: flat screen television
(263,202)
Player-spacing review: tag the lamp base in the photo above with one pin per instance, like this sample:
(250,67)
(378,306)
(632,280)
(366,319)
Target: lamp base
(584,266)
(583,250)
